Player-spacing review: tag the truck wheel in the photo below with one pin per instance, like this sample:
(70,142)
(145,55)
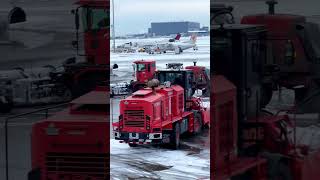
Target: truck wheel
(132,145)
(197,123)
(175,137)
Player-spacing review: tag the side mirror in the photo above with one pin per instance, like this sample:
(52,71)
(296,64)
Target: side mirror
(290,53)
(115,66)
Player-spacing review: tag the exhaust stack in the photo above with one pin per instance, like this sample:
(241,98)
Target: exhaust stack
(271,4)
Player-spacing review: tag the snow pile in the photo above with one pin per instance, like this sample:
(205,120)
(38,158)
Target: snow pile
(309,136)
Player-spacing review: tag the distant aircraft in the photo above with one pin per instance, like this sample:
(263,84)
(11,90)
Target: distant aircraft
(177,47)
(147,45)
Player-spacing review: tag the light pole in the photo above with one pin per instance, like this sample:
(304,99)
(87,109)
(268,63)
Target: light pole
(113,32)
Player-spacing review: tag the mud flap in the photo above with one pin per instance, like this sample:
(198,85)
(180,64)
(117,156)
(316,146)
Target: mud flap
(35,174)
(17,15)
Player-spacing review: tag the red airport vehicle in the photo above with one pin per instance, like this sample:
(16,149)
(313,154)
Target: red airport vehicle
(73,143)
(161,113)
(247,141)
(292,56)
(82,77)
(145,70)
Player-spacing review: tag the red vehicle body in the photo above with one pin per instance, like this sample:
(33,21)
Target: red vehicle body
(201,78)
(160,115)
(247,141)
(225,162)
(295,161)
(73,143)
(292,48)
(96,35)
(145,70)
(82,77)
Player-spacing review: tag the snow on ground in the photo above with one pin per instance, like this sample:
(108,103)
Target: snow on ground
(145,162)
(125,60)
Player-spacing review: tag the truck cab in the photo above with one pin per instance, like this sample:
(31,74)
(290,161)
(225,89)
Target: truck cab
(80,77)
(181,77)
(94,17)
(144,70)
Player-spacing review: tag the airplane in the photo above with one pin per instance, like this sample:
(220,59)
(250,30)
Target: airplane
(147,45)
(177,47)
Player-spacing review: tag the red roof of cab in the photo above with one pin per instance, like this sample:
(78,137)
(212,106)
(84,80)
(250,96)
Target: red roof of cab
(95,3)
(148,61)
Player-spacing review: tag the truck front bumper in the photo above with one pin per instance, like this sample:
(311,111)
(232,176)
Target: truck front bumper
(138,138)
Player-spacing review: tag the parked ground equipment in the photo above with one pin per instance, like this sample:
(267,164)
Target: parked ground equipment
(73,143)
(82,77)
(161,113)
(30,87)
(292,55)
(145,70)
(248,142)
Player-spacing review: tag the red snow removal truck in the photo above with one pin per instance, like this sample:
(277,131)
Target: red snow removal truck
(73,143)
(159,114)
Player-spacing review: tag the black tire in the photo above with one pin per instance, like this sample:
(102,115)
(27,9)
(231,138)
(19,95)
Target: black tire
(197,124)
(132,145)
(180,50)
(175,136)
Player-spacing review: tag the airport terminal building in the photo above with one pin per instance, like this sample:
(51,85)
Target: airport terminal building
(168,28)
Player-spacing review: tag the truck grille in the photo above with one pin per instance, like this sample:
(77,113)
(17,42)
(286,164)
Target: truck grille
(86,164)
(134,118)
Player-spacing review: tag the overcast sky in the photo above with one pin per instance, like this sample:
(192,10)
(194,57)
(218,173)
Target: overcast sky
(135,16)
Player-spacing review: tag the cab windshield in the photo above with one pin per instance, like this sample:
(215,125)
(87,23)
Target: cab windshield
(141,67)
(95,19)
